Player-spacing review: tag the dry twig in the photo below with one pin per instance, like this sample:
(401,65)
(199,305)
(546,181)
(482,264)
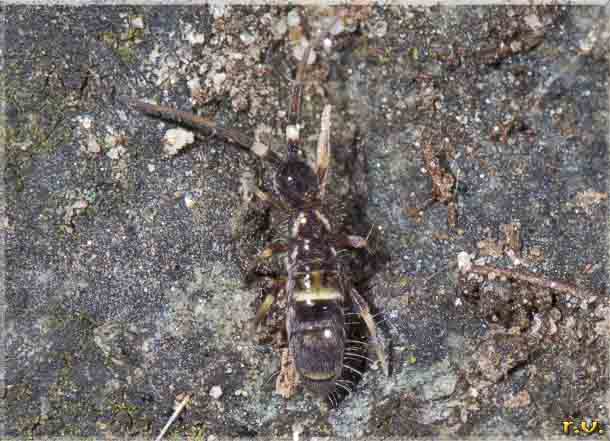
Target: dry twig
(175,415)
(443,186)
(532,279)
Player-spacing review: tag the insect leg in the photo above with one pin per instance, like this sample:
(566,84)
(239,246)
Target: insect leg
(354,241)
(263,310)
(323,156)
(276,248)
(365,313)
(351,241)
(265,307)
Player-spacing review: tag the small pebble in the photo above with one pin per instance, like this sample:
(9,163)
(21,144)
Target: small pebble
(293,18)
(379,29)
(216,392)
(194,85)
(176,139)
(137,22)
(327,44)
(241,393)
(92,145)
(218,10)
(190,199)
(218,79)
(279,28)
(247,38)
(299,51)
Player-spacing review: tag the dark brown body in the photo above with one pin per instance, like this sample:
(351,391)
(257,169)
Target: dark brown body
(316,291)
(315,318)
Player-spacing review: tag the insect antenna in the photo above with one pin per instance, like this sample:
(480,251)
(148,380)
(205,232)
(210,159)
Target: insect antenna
(294,111)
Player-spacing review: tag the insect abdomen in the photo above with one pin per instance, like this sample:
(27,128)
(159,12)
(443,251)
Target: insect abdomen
(316,330)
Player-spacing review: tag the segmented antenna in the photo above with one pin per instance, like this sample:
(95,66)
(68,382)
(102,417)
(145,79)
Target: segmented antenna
(294,111)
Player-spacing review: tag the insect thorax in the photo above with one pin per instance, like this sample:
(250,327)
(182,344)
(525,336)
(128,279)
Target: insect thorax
(296,183)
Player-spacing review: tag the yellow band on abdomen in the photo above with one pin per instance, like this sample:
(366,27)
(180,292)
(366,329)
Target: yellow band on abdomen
(317,294)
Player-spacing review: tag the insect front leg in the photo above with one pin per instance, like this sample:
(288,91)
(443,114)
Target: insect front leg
(268,200)
(262,258)
(265,307)
(363,310)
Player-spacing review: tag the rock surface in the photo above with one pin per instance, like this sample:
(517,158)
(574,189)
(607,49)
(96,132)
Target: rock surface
(122,298)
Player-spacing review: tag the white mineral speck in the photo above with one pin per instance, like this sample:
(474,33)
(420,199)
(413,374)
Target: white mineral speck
(218,79)
(137,22)
(533,22)
(464,261)
(116,152)
(216,392)
(195,37)
(247,38)
(379,29)
(194,85)
(218,10)
(85,122)
(299,51)
(92,144)
(190,199)
(292,132)
(176,139)
(327,44)
(259,148)
(293,18)
(279,28)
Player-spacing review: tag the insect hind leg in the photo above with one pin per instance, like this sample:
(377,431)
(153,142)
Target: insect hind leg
(364,311)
